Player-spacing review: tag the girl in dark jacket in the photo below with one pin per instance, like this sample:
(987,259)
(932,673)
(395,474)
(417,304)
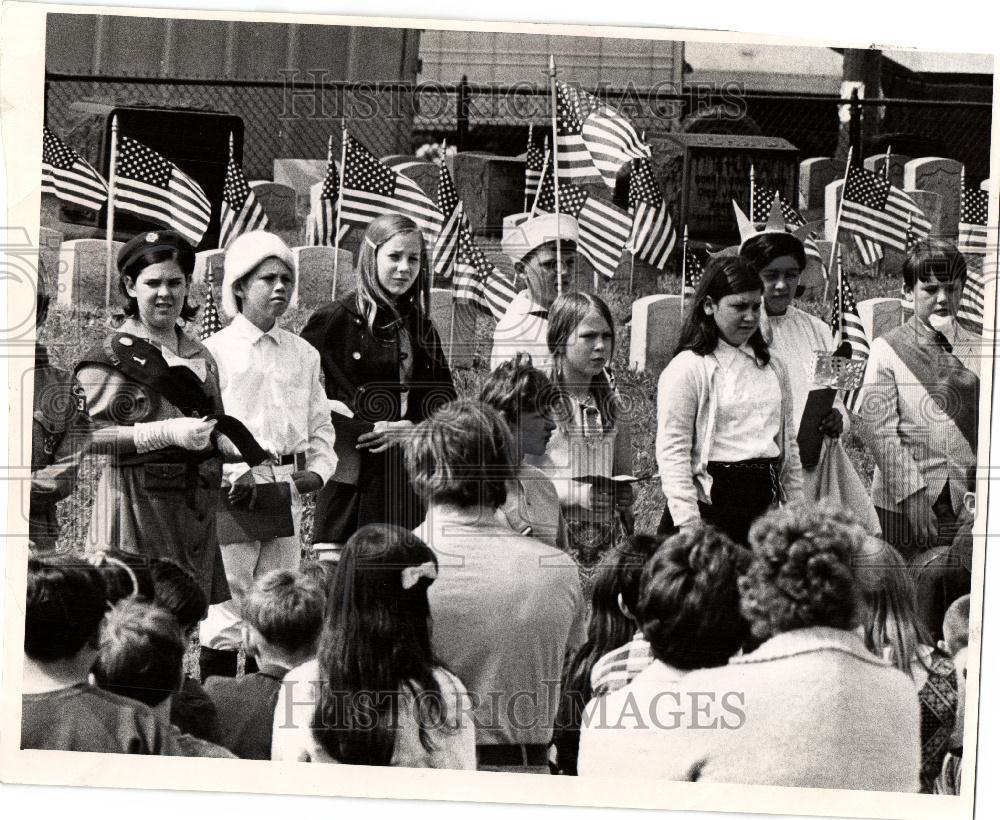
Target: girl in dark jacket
(384,370)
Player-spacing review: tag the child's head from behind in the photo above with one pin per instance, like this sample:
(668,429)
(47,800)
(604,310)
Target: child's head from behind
(283,615)
(615,594)
(178,592)
(64,607)
(141,652)
(526,398)
(689,605)
(934,273)
(126,574)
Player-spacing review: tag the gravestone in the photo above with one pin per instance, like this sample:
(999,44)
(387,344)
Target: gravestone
(82,273)
(314,269)
(932,205)
(278,202)
(831,199)
(711,171)
(897,163)
(880,315)
(425,174)
(300,175)
(49,242)
(655,331)
(460,343)
(490,187)
(639,273)
(815,174)
(940,176)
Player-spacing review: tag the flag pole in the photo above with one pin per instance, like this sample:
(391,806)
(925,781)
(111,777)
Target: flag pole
(555,169)
(753,184)
(684,262)
(340,201)
(840,298)
(541,179)
(531,131)
(454,302)
(109,239)
(836,228)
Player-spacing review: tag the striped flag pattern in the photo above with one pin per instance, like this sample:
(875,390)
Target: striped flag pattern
(854,330)
(210,321)
(241,212)
(533,168)
(870,251)
(970,308)
(762,200)
(69,176)
(371,189)
(653,235)
(322,220)
(605,229)
(972,222)
(455,252)
(151,186)
(874,208)
(594,141)
(693,271)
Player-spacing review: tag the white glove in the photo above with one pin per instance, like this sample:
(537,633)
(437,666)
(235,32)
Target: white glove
(188,433)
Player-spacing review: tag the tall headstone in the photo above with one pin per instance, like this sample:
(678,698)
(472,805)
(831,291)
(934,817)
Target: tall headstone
(425,174)
(815,174)
(897,163)
(82,273)
(278,202)
(831,199)
(49,242)
(300,175)
(456,326)
(656,330)
(314,268)
(880,315)
(940,176)
(637,271)
(930,202)
(490,187)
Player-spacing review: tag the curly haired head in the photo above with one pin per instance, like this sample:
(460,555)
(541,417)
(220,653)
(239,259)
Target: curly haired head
(689,604)
(802,572)
(517,387)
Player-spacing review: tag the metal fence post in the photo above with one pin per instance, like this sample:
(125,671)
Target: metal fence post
(462,112)
(857,113)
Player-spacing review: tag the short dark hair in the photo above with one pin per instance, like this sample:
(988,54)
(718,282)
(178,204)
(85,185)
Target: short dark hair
(518,387)
(761,250)
(178,592)
(461,455)
(64,607)
(142,652)
(182,254)
(933,259)
(286,608)
(690,602)
(630,560)
(802,572)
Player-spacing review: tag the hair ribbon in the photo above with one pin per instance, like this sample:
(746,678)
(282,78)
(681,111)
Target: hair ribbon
(413,574)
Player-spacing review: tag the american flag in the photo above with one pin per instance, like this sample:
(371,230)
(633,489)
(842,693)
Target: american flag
(371,189)
(210,321)
(853,330)
(69,176)
(870,251)
(241,212)
(533,168)
(153,187)
(605,229)
(972,222)
(653,236)
(763,198)
(874,208)
(970,308)
(693,271)
(475,277)
(322,220)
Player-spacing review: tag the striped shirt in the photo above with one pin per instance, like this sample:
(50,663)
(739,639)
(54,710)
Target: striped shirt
(618,667)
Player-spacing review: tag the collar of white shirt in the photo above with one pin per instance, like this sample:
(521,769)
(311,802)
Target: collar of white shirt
(249,331)
(726,353)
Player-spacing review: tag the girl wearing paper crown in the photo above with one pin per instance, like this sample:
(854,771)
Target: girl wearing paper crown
(725,438)
(384,371)
(777,255)
(153,394)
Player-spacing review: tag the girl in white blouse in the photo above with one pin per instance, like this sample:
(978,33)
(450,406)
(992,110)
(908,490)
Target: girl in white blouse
(725,439)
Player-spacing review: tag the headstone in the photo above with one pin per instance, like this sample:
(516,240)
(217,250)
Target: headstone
(490,187)
(278,202)
(897,162)
(932,205)
(815,174)
(655,330)
(880,315)
(83,273)
(314,268)
(48,254)
(425,174)
(831,200)
(940,176)
(711,171)
(637,272)
(300,175)
(460,343)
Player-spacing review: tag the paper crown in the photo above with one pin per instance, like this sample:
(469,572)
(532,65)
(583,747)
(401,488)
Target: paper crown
(522,236)
(775,224)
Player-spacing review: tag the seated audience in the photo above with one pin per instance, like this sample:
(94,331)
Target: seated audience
(376,695)
(282,618)
(64,608)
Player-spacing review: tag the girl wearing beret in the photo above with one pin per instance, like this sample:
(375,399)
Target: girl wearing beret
(384,370)
(149,387)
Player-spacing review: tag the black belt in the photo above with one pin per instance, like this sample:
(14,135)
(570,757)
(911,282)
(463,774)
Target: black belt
(748,464)
(513,754)
(293,458)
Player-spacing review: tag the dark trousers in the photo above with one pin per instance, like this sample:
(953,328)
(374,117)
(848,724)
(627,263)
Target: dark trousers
(742,491)
(897,531)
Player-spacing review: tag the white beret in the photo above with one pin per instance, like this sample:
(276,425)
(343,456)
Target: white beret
(522,236)
(244,254)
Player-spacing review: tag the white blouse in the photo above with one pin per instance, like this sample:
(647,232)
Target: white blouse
(748,419)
